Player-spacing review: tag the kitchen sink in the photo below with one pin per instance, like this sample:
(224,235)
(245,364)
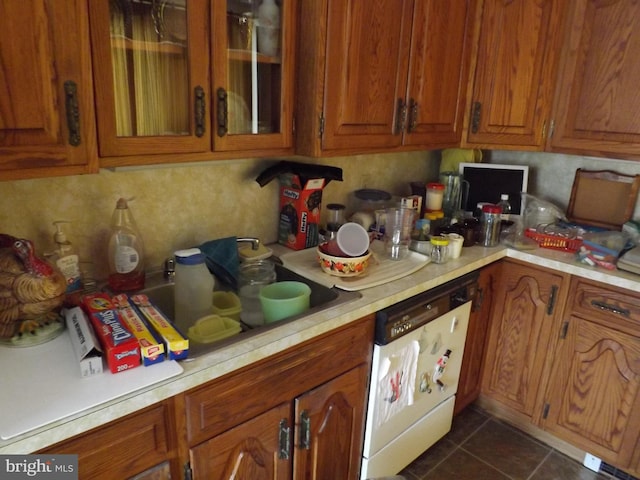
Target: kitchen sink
(160,292)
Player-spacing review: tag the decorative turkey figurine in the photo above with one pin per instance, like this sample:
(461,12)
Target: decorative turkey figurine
(30,288)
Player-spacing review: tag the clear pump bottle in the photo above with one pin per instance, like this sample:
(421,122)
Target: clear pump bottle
(66,259)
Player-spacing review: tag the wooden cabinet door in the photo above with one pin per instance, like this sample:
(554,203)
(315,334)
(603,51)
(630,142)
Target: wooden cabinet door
(251,450)
(151,65)
(525,305)
(367,54)
(330,428)
(515,68)
(438,71)
(253,91)
(594,396)
(137,444)
(46,98)
(597,101)
(474,348)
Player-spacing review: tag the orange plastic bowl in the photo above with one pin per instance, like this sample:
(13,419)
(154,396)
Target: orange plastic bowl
(343,266)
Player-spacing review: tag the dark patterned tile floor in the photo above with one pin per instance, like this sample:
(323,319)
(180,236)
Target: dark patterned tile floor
(481,447)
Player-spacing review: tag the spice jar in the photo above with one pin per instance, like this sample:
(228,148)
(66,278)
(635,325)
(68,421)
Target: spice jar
(490,225)
(435,194)
(439,247)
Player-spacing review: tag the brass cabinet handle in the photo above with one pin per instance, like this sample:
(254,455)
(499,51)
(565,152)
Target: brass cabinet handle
(73,112)
(223,111)
(200,110)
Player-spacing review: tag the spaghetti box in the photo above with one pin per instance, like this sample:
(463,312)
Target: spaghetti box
(118,343)
(84,342)
(176,344)
(151,346)
(300,202)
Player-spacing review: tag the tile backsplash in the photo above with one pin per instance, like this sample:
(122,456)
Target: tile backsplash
(182,206)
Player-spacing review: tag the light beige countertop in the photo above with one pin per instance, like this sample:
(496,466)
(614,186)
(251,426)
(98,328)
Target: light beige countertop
(239,354)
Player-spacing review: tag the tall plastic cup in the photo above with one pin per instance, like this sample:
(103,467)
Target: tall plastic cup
(397,234)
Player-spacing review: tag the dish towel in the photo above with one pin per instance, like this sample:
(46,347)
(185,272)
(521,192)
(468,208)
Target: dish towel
(222,259)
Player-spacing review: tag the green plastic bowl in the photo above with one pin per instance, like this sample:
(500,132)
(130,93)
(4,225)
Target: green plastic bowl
(282,300)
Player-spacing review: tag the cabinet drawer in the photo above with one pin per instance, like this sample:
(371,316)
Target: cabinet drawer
(240,396)
(606,304)
(122,448)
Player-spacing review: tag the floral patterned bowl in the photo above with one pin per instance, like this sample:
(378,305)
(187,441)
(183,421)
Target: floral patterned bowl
(343,266)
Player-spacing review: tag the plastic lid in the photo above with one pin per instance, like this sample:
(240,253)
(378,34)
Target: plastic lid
(504,196)
(372,195)
(189,256)
(491,208)
(434,215)
(335,206)
(439,241)
(435,186)
(352,239)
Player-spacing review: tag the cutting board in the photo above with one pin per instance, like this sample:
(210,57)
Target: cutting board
(381,268)
(42,384)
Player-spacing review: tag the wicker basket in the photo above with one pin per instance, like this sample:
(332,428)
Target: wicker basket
(554,242)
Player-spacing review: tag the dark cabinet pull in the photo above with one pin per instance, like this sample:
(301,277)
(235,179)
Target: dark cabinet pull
(305,430)
(475,117)
(200,110)
(73,112)
(611,308)
(223,111)
(413,116)
(284,434)
(552,299)
(401,117)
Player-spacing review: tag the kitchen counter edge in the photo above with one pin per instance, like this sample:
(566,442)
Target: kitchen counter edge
(238,355)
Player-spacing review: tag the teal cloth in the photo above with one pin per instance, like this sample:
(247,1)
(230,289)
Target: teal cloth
(222,259)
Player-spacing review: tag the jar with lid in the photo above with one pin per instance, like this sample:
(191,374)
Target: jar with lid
(193,291)
(436,221)
(439,247)
(435,194)
(335,218)
(490,225)
(252,276)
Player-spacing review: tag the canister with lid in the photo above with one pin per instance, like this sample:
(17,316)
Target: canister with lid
(439,247)
(490,225)
(435,194)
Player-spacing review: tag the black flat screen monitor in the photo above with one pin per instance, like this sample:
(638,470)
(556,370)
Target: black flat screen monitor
(487,181)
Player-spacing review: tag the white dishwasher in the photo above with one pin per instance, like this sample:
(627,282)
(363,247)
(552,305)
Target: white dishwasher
(414,378)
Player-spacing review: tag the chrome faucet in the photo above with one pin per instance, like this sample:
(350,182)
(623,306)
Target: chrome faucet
(255,242)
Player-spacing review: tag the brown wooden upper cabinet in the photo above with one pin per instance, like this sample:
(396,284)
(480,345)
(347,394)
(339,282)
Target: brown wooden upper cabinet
(184,79)
(382,76)
(46,98)
(597,102)
(514,69)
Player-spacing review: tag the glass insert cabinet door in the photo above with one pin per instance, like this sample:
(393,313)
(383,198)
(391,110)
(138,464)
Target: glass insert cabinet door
(252,73)
(151,61)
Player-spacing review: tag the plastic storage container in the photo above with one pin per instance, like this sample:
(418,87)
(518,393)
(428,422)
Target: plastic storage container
(227,304)
(435,194)
(251,278)
(193,292)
